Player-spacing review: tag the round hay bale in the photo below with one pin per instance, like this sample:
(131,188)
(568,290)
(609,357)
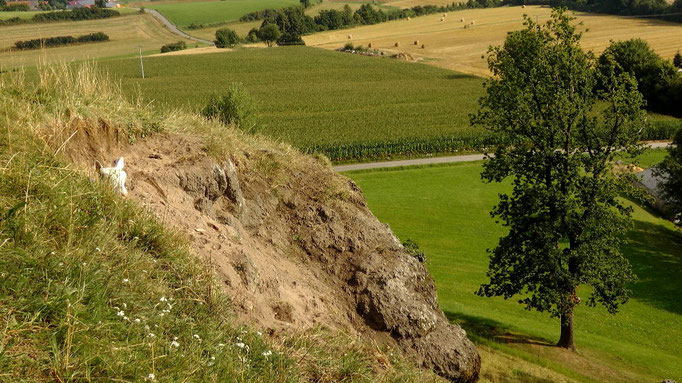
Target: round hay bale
(416,42)
(461,20)
(408,18)
(350,37)
(397,44)
(423,46)
(442,19)
(473,22)
(523,6)
(369,45)
(466,26)
(445,14)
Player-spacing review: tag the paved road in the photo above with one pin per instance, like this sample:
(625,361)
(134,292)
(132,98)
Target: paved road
(438,160)
(173,28)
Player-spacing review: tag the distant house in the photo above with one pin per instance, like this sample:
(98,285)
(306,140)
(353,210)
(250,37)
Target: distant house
(650,181)
(73,4)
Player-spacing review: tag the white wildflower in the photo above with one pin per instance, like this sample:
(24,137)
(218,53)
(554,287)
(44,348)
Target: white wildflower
(137,320)
(125,318)
(125,306)
(120,313)
(196,336)
(175,344)
(163,299)
(126,280)
(240,345)
(267,353)
(151,335)
(98,249)
(259,333)
(221,344)
(151,376)
(61,264)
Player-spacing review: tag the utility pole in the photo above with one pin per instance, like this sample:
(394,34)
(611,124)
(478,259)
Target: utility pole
(141,64)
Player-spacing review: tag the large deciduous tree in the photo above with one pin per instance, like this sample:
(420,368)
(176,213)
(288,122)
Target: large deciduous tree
(565,120)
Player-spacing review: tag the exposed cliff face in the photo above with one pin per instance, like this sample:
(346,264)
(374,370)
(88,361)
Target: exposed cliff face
(296,246)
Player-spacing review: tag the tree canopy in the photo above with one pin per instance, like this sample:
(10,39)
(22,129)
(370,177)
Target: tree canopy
(564,217)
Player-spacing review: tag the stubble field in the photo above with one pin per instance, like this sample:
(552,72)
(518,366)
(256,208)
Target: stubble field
(449,45)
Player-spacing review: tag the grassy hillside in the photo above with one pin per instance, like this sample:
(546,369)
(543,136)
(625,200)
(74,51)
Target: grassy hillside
(446,211)
(95,288)
(449,45)
(126,34)
(183,14)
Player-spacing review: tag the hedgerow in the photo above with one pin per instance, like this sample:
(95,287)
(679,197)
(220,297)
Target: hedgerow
(60,40)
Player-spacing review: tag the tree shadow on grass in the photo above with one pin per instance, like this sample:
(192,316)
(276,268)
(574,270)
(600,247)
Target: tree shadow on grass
(655,252)
(459,76)
(492,330)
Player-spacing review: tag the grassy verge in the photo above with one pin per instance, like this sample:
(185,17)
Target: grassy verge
(93,287)
(445,209)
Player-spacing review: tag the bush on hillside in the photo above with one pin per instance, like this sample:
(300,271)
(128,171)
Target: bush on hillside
(269,33)
(290,39)
(252,37)
(75,15)
(180,45)
(236,108)
(226,38)
(412,248)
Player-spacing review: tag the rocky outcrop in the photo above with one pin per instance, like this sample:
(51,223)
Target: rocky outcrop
(295,246)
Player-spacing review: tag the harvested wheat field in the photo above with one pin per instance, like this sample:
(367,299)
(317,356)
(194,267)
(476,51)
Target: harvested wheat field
(460,45)
(126,34)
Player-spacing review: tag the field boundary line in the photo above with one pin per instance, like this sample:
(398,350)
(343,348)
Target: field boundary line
(443,160)
(173,28)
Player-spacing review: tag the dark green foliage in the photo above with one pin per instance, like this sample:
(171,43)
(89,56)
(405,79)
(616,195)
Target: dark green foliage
(412,249)
(367,15)
(677,60)
(565,221)
(658,80)
(269,33)
(305,3)
(178,46)
(291,21)
(235,108)
(671,171)
(14,7)
(3,3)
(60,40)
(290,39)
(226,38)
(252,36)
(101,3)
(75,15)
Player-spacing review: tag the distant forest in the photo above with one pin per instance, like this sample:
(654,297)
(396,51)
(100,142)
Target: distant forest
(659,8)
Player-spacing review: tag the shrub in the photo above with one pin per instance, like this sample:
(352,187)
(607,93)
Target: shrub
(226,38)
(412,249)
(671,171)
(269,33)
(290,39)
(76,14)
(235,108)
(252,37)
(180,45)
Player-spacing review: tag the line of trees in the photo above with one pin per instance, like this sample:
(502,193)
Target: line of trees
(665,9)
(293,23)
(60,40)
(73,15)
(5,7)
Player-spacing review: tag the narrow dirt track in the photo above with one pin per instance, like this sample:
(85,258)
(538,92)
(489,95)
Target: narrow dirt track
(174,28)
(440,160)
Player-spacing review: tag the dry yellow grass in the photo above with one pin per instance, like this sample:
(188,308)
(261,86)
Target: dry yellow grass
(449,45)
(126,34)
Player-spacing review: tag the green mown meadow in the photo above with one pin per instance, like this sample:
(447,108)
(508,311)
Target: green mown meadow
(349,107)
(445,210)
(184,14)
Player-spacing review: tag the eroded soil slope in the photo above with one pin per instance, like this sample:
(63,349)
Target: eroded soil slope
(296,246)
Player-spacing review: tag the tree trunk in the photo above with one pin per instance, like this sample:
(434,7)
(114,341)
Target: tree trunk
(566,339)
